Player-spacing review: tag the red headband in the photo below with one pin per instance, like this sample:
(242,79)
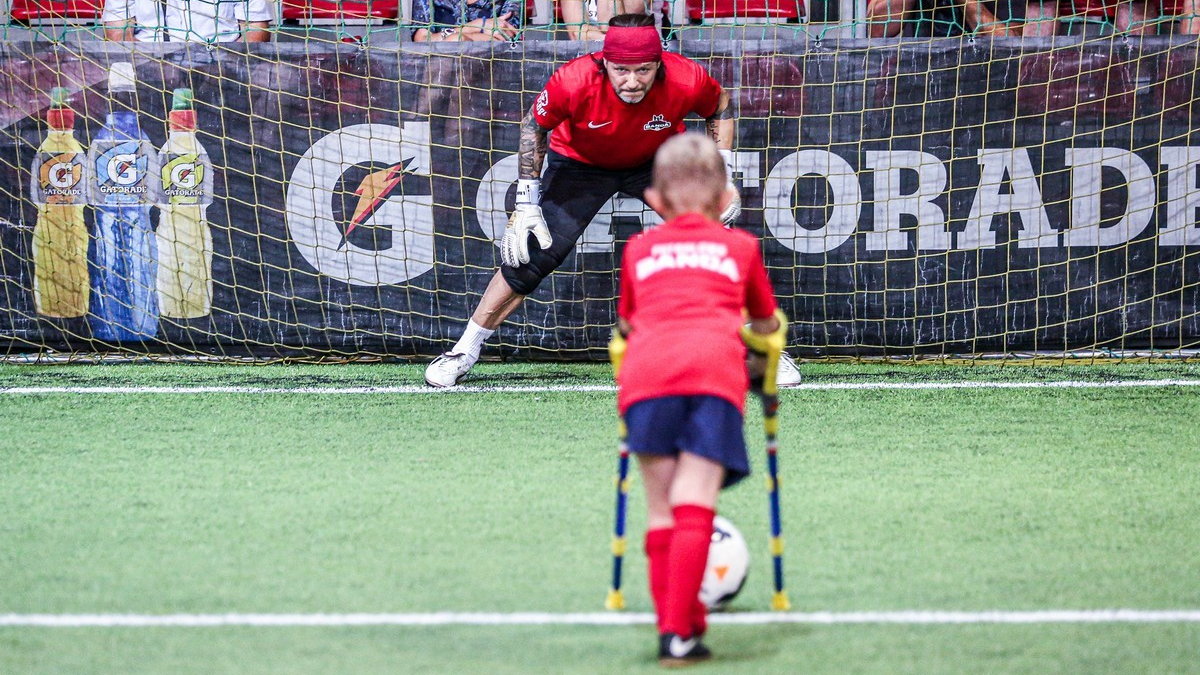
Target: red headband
(632,44)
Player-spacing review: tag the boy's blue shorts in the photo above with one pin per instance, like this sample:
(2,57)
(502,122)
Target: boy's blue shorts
(707,426)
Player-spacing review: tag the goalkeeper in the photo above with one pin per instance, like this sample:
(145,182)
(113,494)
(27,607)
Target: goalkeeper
(686,287)
(600,119)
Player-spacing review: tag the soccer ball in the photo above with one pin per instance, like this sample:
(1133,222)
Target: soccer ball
(728,564)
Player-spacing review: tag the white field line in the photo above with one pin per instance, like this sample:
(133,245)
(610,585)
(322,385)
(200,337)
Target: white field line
(594,619)
(417,389)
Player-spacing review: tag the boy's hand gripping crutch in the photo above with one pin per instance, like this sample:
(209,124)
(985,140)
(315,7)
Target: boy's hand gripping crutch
(770,346)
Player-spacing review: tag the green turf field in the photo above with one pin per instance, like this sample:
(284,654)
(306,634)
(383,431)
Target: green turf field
(966,500)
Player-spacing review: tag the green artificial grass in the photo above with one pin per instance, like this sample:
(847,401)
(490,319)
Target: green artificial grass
(946,499)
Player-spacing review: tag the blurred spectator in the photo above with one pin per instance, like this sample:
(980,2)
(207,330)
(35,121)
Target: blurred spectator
(1188,13)
(888,18)
(466,20)
(1135,17)
(740,12)
(588,19)
(188,20)
(1041,19)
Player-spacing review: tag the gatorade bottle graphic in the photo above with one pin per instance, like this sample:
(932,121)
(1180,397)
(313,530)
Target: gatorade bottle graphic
(184,240)
(60,238)
(121,163)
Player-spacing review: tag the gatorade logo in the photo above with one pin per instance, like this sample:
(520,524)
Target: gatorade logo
(59,175)
(372,192)
(183,176)
(380,233)
(121,169)
(186,175)
(63,175)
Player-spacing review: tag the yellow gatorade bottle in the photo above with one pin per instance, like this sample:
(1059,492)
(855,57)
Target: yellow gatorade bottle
(184,240)
(60,238)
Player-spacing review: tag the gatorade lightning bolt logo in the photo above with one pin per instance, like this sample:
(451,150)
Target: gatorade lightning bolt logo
(183,176)
(372,191)
(59,176)
(121,169)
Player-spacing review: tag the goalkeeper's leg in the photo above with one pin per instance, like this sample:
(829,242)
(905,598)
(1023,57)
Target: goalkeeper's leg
(498,302)
(572,194)
(788,373)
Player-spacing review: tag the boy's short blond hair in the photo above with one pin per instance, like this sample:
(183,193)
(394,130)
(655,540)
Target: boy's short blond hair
(689,172)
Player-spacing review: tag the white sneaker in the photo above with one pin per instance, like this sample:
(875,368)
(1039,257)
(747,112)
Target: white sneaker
(787,375)
(447,369)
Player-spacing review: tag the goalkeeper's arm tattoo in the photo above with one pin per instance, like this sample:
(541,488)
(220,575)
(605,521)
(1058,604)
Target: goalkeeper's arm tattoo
(720,124)
(531,151)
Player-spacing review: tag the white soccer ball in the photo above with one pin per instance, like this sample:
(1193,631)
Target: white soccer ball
(728,564)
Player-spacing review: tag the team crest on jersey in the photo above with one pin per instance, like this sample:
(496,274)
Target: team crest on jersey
(657,123)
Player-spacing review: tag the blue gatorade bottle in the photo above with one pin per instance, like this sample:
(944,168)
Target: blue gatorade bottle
(123,260)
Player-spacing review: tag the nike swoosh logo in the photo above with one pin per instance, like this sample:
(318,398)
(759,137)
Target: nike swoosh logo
(593,125)
(680,648)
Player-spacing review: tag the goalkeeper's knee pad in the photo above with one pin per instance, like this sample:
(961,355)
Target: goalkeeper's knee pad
(526,278)
(523,280)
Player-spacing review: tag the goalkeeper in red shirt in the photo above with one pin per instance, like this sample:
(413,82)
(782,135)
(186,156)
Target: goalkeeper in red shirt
(596,126)
(680,353)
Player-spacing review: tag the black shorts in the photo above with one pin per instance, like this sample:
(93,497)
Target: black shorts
(708,426)
(572,194)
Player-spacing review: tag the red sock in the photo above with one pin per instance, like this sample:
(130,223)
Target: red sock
(699,616)
(658,549)
(689,554)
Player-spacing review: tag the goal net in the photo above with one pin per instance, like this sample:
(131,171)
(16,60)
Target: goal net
(337,193)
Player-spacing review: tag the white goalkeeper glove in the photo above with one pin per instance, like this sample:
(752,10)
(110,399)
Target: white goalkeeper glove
(526,219)
(731,212)
(730,215)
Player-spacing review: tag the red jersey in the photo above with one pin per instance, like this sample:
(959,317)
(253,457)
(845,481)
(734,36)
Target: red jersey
(591,124)
(683,287)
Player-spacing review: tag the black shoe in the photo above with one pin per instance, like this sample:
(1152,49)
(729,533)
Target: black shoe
(675,652)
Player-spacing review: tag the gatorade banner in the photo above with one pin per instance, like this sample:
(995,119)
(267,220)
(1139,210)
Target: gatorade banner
(942,196)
